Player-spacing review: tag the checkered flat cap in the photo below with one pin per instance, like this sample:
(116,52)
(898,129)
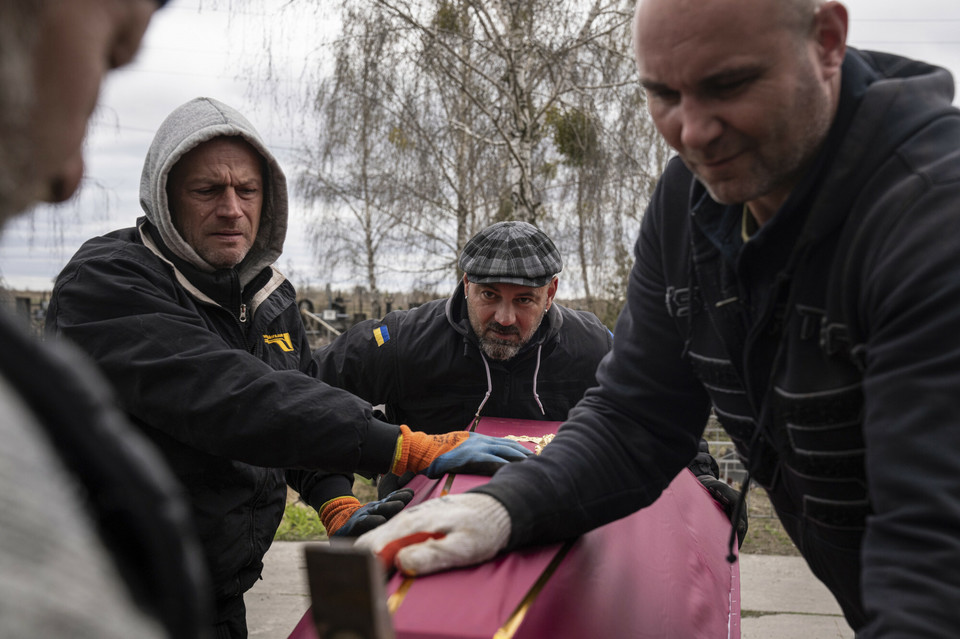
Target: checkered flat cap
(511,253)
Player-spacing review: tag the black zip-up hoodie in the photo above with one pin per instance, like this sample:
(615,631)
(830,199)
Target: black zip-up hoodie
(834,368)
(431,374)
(214,365)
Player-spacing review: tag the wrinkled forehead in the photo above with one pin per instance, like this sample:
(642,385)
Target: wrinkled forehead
(684,37)
(219,150)
(511,291)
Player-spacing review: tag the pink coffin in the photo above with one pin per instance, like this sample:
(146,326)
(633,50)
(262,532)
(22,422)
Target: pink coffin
(660,572)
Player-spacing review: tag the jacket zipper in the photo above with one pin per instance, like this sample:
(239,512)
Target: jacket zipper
(243,314)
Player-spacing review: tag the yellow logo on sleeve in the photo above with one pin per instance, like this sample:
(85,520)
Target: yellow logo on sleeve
(280,339)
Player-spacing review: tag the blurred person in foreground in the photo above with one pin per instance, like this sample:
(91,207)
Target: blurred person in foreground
(499,346)
(95,540)
(797,268)
(201,337)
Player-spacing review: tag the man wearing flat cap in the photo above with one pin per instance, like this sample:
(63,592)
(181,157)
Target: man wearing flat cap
(498,347)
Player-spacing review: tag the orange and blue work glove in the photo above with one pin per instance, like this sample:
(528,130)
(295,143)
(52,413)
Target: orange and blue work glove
(347,517)
(457,452)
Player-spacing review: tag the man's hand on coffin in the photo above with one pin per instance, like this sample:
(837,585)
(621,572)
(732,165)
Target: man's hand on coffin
(478,455)
(449,532)
(727,496)
(347,517)
(456,452)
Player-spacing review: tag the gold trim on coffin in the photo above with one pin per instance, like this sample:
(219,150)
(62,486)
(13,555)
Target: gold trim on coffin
(541,442)
(394,600)
(508,629)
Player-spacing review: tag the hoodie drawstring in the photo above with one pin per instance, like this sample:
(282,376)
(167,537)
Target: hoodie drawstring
(536,371)
(735,517)
(744,487)
(489,387)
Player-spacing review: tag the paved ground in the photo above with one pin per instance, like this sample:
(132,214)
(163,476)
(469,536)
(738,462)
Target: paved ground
(780,598)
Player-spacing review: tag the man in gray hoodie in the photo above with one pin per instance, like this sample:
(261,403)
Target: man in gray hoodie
(202,338)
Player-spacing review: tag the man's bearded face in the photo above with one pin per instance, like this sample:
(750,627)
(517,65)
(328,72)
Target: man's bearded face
(505,317)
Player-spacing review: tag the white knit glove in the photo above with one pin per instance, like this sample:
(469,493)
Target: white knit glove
(449,532)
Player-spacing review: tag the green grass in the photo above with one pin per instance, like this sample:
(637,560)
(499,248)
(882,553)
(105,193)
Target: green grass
(302,523)
(765,535)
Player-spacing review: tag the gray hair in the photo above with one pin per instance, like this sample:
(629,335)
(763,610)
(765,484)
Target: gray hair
(18,33)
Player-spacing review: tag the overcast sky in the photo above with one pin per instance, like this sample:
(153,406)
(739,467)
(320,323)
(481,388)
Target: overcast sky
(195,47)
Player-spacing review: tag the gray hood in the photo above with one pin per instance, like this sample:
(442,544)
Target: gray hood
(189,125)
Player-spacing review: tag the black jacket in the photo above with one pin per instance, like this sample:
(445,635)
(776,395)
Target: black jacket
(827,344)
(230,404)
(430,373)
(213,364)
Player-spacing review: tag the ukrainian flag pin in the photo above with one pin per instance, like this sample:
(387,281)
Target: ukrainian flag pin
(381,334)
